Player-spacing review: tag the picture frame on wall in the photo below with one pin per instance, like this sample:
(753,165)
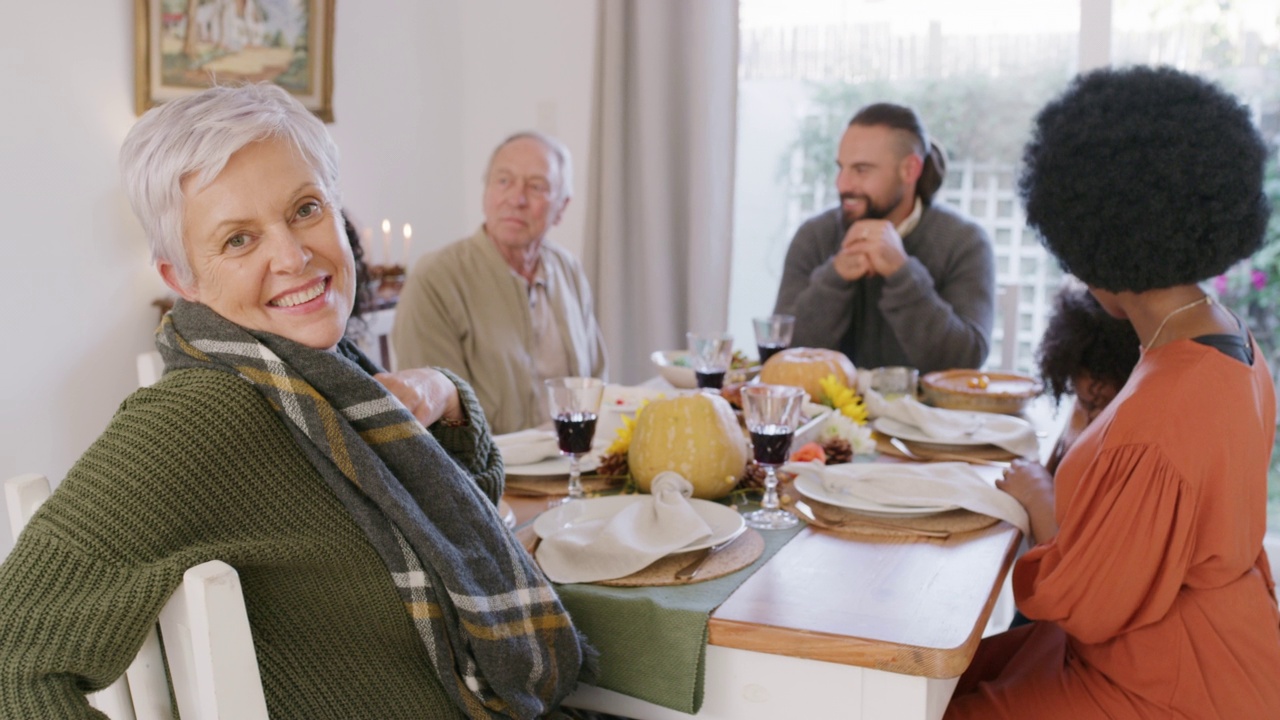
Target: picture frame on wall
(185,46)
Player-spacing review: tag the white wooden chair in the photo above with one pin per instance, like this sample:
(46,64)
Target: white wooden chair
(376,342)
(150,368)
(206,640)
(1007,301)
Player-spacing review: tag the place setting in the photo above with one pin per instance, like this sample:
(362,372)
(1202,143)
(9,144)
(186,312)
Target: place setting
(934,500)
(910,429)
(664,537)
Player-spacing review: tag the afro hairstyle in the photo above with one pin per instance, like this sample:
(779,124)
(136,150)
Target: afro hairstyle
(1082,337)
(1145,178)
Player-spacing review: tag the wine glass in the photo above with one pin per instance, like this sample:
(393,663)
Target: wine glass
(772,413)
(773,334)
(710,354)
(575,404)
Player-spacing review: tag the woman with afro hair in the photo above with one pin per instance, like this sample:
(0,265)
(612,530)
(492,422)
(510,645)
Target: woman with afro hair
(1149,590)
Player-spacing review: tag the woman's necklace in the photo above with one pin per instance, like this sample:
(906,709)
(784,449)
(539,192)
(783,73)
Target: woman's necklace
(1203,300)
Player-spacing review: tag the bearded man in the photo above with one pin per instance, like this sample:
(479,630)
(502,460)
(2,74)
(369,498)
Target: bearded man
(888,277)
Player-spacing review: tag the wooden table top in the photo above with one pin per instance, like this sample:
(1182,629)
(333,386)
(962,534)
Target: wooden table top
(916,607)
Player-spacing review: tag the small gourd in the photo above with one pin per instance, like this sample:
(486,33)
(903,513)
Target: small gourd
(695,435)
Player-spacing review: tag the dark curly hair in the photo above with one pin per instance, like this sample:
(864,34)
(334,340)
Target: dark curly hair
(1081,336)
(1145,178)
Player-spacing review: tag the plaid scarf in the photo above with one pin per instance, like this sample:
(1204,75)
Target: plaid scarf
(491,623)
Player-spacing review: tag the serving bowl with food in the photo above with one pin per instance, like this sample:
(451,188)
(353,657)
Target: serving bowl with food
(981,390)
(675,367)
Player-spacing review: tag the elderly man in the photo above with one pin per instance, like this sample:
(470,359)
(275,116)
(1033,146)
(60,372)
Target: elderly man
(888,277)
(506,308)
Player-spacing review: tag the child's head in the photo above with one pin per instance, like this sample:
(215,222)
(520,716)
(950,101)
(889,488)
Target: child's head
(1086,351)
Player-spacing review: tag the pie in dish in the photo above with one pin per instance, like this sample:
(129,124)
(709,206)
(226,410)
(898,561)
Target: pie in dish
(987,391)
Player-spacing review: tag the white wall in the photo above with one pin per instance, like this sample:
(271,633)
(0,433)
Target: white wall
(422,91)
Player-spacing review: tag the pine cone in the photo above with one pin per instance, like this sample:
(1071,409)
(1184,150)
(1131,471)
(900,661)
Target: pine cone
(838,451)
(614,465)
(752,477)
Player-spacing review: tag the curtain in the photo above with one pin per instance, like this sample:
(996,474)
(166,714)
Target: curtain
(660,218)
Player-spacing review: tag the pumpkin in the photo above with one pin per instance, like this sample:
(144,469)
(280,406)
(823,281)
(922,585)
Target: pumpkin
(806,367)
(696,435)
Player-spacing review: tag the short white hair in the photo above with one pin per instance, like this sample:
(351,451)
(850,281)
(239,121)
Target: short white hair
(559,152)
(198,134)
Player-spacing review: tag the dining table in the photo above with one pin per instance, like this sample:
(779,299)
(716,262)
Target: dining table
(825,624)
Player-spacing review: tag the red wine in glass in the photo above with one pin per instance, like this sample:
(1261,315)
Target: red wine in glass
(770,443)
(713,379)
(574,432)
(768,350)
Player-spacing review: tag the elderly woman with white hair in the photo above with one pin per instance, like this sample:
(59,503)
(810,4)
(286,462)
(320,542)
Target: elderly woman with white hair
(357,506)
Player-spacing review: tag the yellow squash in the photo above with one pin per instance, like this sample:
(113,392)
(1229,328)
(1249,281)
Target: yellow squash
(696,435)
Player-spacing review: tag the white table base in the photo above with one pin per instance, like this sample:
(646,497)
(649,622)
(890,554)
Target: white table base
(746,685)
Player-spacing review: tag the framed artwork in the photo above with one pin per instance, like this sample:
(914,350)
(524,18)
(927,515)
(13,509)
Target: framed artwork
(185,46)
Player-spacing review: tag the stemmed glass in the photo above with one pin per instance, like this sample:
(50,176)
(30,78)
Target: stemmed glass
(773,334)
(772,413)
(575,404)
(710,354)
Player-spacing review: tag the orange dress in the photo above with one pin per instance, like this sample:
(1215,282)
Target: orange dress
(1155,600)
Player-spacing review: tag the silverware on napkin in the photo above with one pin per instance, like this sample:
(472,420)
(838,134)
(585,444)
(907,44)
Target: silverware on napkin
(932,456)
(837,523)
(690,571)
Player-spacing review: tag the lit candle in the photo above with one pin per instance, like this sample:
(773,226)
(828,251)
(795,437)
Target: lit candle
(386,241)
(408,233)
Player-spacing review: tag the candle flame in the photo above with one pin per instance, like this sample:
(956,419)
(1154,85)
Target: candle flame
(408,231)
(386,226)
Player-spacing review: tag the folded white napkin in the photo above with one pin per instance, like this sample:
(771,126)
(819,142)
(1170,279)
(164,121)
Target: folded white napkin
(903,485)
(958,426)
(643,531)
(527,446)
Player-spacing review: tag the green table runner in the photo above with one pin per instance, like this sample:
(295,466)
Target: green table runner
(653,640)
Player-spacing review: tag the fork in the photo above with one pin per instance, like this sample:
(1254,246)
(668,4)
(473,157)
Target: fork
(690,571)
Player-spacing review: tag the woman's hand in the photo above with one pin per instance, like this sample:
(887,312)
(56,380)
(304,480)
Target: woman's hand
(428,394)
(1030,484)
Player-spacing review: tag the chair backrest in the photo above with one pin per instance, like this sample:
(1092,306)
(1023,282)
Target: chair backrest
(1007,302)
(206,639)
(22,495)
(1272,544)
(150,368)
(377,338)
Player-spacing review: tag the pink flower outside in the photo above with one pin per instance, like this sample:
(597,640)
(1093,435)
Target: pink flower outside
(1220,284)
(1259,279)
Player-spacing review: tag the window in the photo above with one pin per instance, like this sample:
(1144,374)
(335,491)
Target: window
(804,69)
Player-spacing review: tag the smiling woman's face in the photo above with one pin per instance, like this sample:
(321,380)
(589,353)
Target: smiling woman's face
(266,248)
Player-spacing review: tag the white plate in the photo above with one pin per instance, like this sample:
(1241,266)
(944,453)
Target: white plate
(1004,425)
(810,430)
(560,465)
(813,490)
(725,522)
(624,399)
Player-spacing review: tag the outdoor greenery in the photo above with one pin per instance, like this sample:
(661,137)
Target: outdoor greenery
(971,117)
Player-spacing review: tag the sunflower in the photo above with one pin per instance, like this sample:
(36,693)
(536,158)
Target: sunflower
(844,399)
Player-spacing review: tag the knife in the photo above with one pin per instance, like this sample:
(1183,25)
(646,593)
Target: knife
(690,571)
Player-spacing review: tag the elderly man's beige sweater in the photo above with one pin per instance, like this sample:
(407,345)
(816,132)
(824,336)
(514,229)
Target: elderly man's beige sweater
(462,308)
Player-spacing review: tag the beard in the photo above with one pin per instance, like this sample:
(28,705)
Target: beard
(874,210)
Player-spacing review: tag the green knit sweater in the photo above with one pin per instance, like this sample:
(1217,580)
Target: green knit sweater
(195,468)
